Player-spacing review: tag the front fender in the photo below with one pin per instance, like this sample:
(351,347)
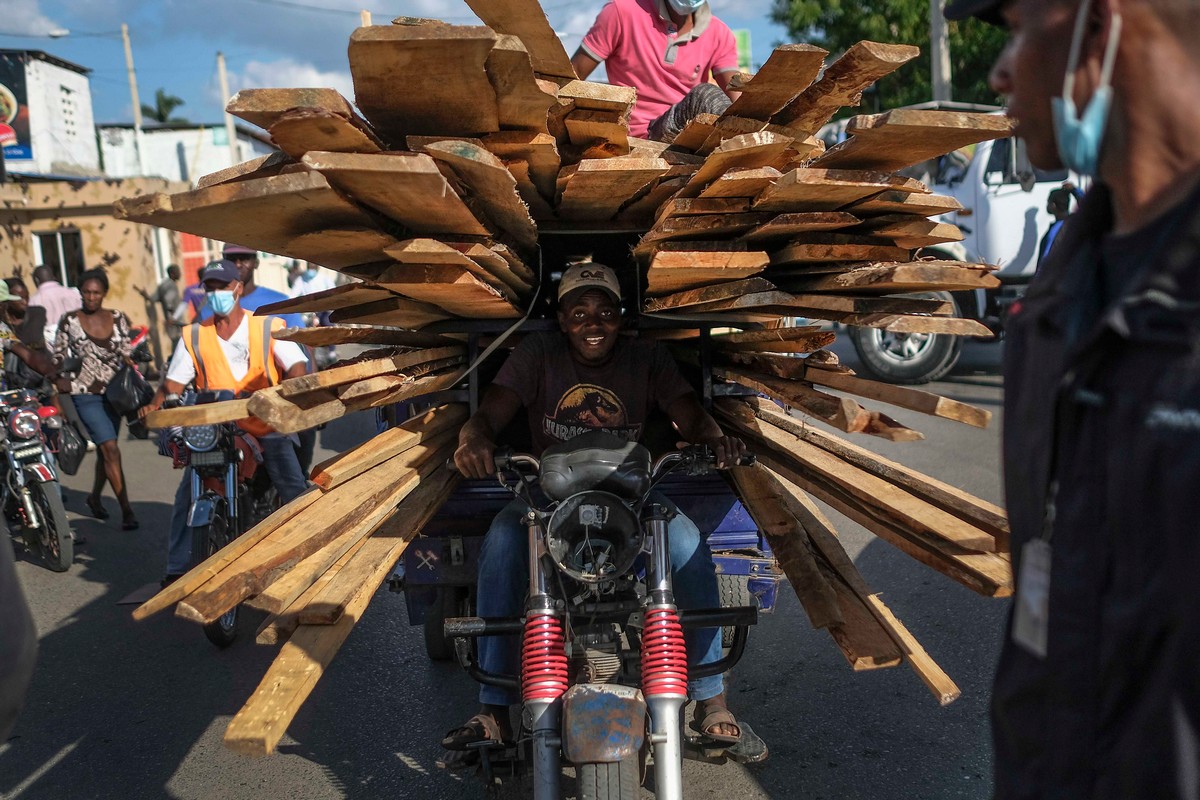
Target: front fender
(39,473)
(202,512)
(602,723)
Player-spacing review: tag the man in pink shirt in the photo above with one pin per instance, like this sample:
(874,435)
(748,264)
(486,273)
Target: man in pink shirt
(54,297)
(666,49)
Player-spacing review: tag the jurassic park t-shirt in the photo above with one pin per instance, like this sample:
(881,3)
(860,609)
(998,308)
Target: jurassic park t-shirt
(565,398)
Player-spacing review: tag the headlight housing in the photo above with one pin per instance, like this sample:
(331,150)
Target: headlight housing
(594,536)
(24,424)
(200,438)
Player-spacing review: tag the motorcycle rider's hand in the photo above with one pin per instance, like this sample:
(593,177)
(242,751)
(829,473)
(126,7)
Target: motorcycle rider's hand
(475,458)
(727,449)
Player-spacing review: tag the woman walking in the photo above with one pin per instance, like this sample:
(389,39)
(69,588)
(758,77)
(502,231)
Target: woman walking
(100,338)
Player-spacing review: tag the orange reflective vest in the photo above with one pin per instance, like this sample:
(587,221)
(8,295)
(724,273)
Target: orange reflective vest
(212,368)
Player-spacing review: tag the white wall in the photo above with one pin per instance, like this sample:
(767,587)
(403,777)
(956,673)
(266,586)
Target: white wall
(183,154)
(61,125)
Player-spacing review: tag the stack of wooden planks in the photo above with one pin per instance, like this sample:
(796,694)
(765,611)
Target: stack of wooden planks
(316,562)
(467,148)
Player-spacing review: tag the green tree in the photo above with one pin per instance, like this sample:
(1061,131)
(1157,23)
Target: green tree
(837,24)
(164,106)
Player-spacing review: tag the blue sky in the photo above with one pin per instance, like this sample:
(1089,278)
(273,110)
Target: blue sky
(267,43)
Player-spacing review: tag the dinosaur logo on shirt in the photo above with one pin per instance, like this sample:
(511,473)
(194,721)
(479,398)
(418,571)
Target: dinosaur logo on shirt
(587,407)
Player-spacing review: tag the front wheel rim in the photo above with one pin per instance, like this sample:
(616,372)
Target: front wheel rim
(901,348)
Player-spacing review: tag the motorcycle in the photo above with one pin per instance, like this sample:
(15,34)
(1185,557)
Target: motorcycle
(604,670)
(230,490)
(30,494)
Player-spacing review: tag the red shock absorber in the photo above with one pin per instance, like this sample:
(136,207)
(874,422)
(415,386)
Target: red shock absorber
(664,655)
(543,658)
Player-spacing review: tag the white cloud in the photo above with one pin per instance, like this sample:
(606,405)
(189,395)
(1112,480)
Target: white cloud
(287,73)
(25,18)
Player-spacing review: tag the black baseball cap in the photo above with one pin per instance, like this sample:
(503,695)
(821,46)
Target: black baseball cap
(985,10)
(222,270)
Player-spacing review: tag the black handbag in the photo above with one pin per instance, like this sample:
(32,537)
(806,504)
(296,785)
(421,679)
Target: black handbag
(71,448)
(128,391)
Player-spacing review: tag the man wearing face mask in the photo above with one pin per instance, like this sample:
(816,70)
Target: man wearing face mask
(666,49)
(231,350)
(1097,693)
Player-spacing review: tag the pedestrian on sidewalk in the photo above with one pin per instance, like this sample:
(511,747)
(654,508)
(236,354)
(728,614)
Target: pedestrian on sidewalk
(54,297)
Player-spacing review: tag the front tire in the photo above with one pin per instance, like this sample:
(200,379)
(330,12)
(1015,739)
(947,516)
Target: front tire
(54,539)
(206,540)
(907,357)
(611,781)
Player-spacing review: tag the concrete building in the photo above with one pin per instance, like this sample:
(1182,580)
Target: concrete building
(177,152)
(46,122)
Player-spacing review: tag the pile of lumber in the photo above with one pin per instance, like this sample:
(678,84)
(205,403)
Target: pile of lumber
(315,564)
(467,147)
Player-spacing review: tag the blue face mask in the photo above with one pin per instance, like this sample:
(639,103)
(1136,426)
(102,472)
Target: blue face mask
(686,6)
(222,302)
(1080,137)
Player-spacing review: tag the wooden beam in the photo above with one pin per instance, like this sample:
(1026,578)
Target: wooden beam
(442,69)
(895,202)
(452,288)
(276,628)
(592,96)
(748,150)
(807,189)
(343,248)
(598,187)
(709,294)
(708,226)
(344,296)
(207,414)
(742,182)
(522,101)
(304,129)
(606,130)
(693,206)
(526,20)
(678,270)
(262,167)
(324,336)
(843,82)
(903,396)
(264,107)
(831,248)
(787,72)
(492,185)
(789,225)
(932,675)
(364,367)
(538,150)
(897,139)
(776,340)
(916,276)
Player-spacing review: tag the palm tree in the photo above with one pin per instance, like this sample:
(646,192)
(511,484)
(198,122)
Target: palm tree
(164,105)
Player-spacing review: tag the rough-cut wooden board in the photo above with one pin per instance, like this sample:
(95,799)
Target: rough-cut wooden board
(408,188)
(353,462)
(430,251)
(760,493)
(257,728)
(709,294)
(522,101)
(747,150)
(788,225)
(833,248)
(986,516)
(591,96)
(343,248)
(526,20)
(641,209)
(304,129)
(262,167)
(538,150)
(932,675)
(264,107)
(910,232)
(852,304)
(692,206)
(677,270)
(207,414)
(453,288)
(424,79)
(776,340)
(492,186)
(726,128)
(489,262)
(893,202)
(321,337)
(598,187)
(708,226)
(898,139)
(267,214)
(607,130)
(695,133)
(788,71)
(350,294)
(366,366)
(807,189)
(843,83)
(915,276)
(742,182)
(212,566)
(398,312)
(276,628)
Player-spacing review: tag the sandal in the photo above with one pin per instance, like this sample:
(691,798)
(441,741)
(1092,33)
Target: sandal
(480,728)
(95,506)
(709,715)
(130,523)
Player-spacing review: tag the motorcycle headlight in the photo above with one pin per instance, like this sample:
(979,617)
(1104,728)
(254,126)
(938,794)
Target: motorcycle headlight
(24,424)
(594,536)
(200,438)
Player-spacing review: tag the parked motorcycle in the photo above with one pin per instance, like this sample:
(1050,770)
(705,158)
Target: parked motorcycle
(604,670)
(230,490)
(31,496)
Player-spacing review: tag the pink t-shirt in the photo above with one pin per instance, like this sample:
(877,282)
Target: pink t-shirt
(641,47)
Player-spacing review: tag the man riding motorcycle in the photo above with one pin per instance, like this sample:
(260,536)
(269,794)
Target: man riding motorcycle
(587,377)
(231,350)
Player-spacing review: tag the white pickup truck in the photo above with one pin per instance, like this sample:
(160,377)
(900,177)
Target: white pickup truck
(1003,220)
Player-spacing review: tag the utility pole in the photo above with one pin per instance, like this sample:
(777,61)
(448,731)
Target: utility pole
(230,130)
(939,52)
(364,17)
(137,104)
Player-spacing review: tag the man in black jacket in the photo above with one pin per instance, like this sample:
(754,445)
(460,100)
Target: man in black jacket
(1097,692)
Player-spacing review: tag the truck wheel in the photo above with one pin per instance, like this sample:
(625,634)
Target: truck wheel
(610,781)
(449,603)
(907,357)
(735,591)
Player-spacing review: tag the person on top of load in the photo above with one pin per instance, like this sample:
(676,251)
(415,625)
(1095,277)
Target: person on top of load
(666,49)
(232,350)
(587,377)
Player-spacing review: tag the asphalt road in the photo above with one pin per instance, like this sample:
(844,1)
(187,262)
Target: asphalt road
(120,709)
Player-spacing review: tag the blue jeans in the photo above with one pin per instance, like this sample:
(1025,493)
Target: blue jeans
(504,584)
(283,466)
